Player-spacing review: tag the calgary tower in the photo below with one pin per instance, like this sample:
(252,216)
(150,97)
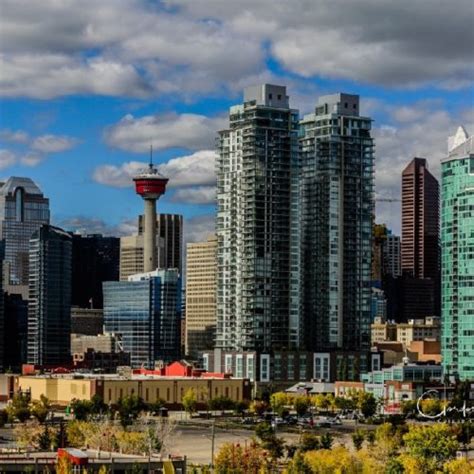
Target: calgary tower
(150,185)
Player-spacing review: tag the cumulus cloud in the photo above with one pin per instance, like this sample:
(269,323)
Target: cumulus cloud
(190,170)
(190,131)
(32,158)
(53,143)
(199,228)
(92,225)
(137,48)
(195,195)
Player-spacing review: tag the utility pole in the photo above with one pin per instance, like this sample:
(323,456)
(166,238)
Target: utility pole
(213,436)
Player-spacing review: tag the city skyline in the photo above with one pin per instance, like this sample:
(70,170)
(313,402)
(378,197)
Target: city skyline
(81,106)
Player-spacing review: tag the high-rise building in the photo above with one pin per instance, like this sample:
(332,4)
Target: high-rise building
(336,213)
(16,331)
(95,259)
(379,234)
(257,156)
(49,305)
(201,292)
(145,311)
(169,230)
(23,209)
(457,243)
(420,221)
(392,255)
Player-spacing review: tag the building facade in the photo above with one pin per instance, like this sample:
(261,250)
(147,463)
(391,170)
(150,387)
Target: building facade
(257,156)
(95,259)
(49,303)
(146,312)
(336,214)
(392,255)
(201,292)
(457,241)
(87,321)
(23,209)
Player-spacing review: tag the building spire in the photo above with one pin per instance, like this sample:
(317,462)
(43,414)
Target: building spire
(151,157)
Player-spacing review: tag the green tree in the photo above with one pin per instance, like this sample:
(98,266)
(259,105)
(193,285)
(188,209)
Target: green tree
(301,405)
(321,401)
(258,407)
(97,405)
(82,409)
(18,408)
(155,407)
(3,418)
(430,446)
(370,437)
(408,407)
(235,459)
(40,408)
(298,465)
(129,408)
(221,403)
(326,441)
(367,404)
(309,442)
(394,466)
(358,439)
(190,401)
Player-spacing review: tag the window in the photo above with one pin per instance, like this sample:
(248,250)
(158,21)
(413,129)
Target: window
(279,96)
(265,367)
(239,366)
(270,96)
(228,364)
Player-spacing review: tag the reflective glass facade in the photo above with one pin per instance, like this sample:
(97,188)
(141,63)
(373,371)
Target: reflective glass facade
(147,314)
(49,301)
(256,162)
(457,261)
(337,203)
(23,209)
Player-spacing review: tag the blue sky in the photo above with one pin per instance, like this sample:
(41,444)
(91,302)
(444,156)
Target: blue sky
(85,87)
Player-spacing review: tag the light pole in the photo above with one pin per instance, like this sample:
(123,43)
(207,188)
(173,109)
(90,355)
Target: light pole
(213,436)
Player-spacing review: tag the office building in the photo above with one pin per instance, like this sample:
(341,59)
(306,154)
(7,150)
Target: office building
(16,331)
(457,243)
(420,221)
(379,239)
(378,304)
(201,292)
(169,231)
(49,305)
(145,311)
(414,330)
(87,321)
(257,157)
(95,259)
(23,209)
(337,207)
(392,255)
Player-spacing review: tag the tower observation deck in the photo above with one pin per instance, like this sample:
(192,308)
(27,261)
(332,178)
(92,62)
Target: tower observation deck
(150,185)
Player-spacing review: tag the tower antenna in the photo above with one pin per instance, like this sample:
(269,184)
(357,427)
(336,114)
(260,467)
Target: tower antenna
(151,156)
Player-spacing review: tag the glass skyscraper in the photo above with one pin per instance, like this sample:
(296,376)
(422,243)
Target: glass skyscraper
(146,312)
(256,166)
(49,301)
(337,204)
(23,209)
(457,257)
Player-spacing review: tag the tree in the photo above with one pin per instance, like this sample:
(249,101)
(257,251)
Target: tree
(3,418)
(337,460)
(129,408)
(241,407)
(235,459)
(47,440)
(278,402)
(367,404)
(408,407)
(326,441)
(221,403)
(258,407)
(18,408)
(33,435)
(394,466)
(190,401)
(321,402)
(40,408)
(155,407)
(370,437)
(301,405)
(81,409)
(309,442)
(298,465)
(430,446)
(269,441)
(358,439)
(97,405)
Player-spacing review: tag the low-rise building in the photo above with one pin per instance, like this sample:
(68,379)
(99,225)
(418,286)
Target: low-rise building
(414,330)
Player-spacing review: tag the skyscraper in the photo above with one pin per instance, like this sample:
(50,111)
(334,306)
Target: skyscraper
(457,243)
(420,221)
(201,292)
(23,209)
(392,255)
(337,203)
(49,305)
(95,259)
(146,312)
(257,156)
(169,230)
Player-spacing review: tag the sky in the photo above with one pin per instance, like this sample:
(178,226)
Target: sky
(87,85)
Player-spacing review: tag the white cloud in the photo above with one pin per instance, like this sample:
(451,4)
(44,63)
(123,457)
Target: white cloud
(14,136)
(32,158)
(190,170)
(195,195)
(53,143)
(137,48)
(199,228)
(93,225)
(7,159)
(190,131)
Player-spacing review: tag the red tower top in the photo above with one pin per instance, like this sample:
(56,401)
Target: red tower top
(150,184)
